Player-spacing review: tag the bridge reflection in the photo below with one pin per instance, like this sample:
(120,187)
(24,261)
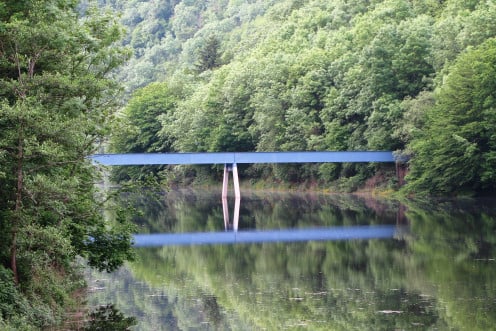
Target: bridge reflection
(228,225)
(285,235)
(231,235)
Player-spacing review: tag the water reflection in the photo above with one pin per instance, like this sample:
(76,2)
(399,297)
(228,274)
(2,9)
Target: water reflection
(183,211)
(438,275)
(292,235)
(228,225)
(107,317)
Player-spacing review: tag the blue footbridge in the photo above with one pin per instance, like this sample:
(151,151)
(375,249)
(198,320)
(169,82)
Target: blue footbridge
(232,159)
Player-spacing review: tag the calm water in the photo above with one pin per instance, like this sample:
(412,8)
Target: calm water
(434,267)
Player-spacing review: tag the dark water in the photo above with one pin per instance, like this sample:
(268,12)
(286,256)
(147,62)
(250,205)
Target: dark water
(434,270)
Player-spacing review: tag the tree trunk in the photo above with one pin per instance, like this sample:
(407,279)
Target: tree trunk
(18,203)
(13,257)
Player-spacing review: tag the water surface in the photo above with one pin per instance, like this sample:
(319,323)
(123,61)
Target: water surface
(433,270)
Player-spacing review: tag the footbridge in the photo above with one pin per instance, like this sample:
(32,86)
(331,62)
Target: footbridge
(231,159)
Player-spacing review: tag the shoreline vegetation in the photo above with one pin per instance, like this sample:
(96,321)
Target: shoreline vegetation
(58,99)
(249,186)
(382,190)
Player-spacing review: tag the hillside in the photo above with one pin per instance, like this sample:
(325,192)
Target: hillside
(286,75)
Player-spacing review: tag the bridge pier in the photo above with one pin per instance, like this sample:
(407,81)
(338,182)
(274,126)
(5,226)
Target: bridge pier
(234,168)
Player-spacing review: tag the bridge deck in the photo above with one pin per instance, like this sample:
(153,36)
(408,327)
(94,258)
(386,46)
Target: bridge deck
(242,157)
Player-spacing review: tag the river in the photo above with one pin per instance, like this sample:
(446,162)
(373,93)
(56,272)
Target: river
(435,268)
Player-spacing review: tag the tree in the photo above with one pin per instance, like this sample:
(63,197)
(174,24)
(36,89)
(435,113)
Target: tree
(209,55)
(57,96)
(456,151)
(140,132)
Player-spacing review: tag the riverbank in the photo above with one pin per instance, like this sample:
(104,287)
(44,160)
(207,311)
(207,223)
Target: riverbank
(383,185)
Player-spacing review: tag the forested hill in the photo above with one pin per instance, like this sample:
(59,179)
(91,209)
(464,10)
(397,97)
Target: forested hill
(412,76)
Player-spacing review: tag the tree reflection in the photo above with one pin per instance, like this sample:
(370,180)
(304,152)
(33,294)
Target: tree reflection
(455,245)
(439,276)
(107,317)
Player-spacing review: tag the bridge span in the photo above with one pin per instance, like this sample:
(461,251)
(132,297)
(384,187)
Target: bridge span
(231,159)
(242,157)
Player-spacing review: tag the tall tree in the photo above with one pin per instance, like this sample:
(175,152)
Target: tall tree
(57,96)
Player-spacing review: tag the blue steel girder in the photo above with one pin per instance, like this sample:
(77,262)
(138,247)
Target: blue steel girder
(242,157)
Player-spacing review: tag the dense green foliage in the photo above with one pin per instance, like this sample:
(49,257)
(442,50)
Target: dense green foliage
(321,75)
(57,96)
(456,152)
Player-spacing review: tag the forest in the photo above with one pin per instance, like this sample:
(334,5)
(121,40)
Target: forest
(414,77)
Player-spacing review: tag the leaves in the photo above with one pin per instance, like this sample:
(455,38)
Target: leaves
(57,98)
(455,152)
